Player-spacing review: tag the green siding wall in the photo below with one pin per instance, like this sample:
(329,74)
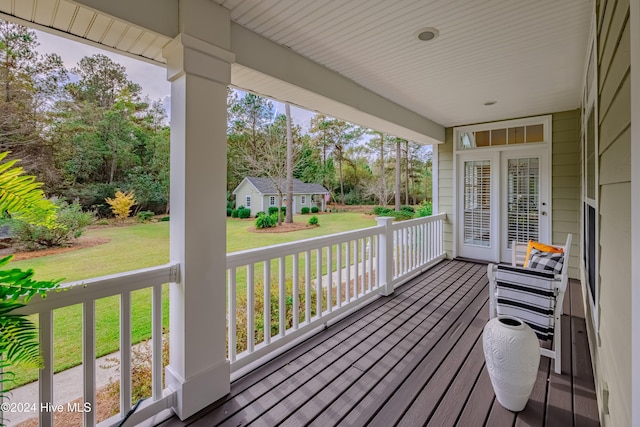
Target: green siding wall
(445,188)
(612,355)
(565,183)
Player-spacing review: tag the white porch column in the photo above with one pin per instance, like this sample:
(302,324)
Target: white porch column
(385,254)
(199,68)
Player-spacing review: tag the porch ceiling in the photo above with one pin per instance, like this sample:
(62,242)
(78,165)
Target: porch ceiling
(527,56)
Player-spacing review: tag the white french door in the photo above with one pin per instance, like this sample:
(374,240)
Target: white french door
(525,204)
(503,195)
(478,204)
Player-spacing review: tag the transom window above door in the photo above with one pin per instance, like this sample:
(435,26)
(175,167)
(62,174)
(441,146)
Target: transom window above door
(532,130)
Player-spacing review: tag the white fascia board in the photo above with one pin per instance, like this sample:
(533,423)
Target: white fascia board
(160,16)
(280,70)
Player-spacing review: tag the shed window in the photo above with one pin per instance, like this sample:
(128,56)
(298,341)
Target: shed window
(272,200)
(247,202)
(303,200)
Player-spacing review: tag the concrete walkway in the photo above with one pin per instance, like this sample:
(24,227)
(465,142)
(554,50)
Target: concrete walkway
(67,386)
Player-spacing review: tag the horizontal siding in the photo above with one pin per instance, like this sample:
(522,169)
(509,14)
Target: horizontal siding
(565,183)
(612,357)
(445,188)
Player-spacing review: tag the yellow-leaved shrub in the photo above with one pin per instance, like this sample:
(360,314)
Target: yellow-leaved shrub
(121,204)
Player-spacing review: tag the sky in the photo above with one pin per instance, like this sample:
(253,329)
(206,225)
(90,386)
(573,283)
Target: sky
(152,78)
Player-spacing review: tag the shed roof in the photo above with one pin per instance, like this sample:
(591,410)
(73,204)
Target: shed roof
(267,187)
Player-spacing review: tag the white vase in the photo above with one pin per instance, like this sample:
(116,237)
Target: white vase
(512,353)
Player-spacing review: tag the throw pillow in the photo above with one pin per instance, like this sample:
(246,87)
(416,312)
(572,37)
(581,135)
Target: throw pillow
(541,247)
(551,261)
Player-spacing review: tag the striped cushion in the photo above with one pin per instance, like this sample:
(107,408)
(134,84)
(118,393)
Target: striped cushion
(527,294)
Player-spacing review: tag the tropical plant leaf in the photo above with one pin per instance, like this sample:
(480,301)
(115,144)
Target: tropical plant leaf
(19,342)
(22,196)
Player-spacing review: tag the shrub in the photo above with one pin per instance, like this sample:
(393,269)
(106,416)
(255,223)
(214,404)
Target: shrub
(121,204)
(266,221)
(164,218)
(229,210)
(71,222)
(425,209)
(244,213)
(272,210)
(314,209)
(407,208)
(304,211)
(145,216)
(381,211)
(313,220)
(234,213)
(400,216)
(283,210)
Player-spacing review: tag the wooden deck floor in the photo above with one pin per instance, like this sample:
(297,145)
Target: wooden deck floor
(411,359)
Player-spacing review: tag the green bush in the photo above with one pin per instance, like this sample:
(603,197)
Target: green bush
(400,216)
(145,216)
(234,213)
(71,222)
(314,209)
(382,211)
(266,221)
(425,209)
(166,218)
(407,208)
(260,213)
(229,210)
(304,211)
(272,210)
(244,213)
(313,220)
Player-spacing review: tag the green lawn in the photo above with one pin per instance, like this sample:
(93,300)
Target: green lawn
(135,247)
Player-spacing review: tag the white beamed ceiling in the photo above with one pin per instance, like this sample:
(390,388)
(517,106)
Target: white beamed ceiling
(527,55)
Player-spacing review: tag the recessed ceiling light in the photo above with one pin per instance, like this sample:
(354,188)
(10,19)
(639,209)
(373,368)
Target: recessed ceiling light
(427,34)
(490,103)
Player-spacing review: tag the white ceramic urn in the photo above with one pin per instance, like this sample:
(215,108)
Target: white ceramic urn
(512,353)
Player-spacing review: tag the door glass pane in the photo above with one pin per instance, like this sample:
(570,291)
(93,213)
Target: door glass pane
(523,199)
(477,202)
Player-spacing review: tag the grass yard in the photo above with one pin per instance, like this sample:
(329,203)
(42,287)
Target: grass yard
(134,247)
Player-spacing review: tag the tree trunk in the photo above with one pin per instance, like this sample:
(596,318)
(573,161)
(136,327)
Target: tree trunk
(406,171)
(398,176)
(289,218)
(341,180)
(279,213)
(383,191)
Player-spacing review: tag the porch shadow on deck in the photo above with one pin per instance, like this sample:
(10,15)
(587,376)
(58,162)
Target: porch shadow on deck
(411,359)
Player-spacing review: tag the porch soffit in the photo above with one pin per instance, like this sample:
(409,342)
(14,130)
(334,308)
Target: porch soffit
(527,56)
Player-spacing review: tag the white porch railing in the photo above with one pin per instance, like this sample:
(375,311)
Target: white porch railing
(87,293)
(276,295)
(280,293)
